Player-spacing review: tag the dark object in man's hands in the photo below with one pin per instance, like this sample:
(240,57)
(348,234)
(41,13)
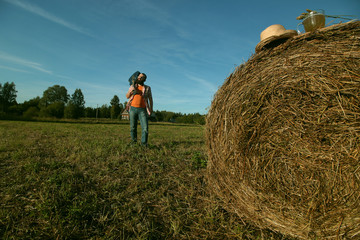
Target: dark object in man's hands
(133,78)
(134,92)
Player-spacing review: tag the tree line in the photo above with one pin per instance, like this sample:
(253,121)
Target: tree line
(57,103)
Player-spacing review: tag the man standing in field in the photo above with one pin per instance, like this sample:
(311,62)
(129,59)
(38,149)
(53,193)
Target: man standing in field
(140,106)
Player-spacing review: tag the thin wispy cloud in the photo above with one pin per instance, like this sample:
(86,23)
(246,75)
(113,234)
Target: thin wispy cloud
(151,11)
(63,77)
(23,62)
(13,69)
(43,13)
(93,87)
(211,87)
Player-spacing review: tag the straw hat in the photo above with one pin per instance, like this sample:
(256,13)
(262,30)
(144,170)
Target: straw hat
(273,33)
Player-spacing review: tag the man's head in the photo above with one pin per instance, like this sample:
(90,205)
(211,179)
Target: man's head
(141,78)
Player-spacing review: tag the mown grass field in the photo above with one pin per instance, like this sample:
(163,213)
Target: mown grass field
(84,181)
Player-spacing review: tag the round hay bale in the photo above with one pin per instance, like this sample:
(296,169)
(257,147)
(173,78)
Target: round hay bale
(283,136)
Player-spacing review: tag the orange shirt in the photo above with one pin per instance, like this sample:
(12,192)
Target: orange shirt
(138,100)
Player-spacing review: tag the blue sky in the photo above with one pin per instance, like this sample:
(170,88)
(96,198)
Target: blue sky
(186,47)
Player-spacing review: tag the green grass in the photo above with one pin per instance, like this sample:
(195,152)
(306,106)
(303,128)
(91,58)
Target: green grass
(84,181)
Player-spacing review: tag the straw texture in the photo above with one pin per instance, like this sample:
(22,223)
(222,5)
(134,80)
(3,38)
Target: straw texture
(283,136)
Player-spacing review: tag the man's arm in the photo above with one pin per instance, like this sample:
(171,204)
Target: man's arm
(129,93)
(150,101)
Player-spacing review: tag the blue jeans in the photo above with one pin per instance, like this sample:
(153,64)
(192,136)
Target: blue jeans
(135,115)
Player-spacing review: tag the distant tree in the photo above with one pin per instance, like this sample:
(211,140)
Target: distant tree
(7,96)
(90,112)
(159,116)
(76,105)
(78,98)
(14,110)
(70,111)
(31,112)
(115,107)
(55,94)
(199,119)
(52,104)
(32,103)
(104,111)
(53,110)
(115,100)
(184,119)
(169,116)
(192,118)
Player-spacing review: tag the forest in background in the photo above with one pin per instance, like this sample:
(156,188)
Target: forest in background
(57,103)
